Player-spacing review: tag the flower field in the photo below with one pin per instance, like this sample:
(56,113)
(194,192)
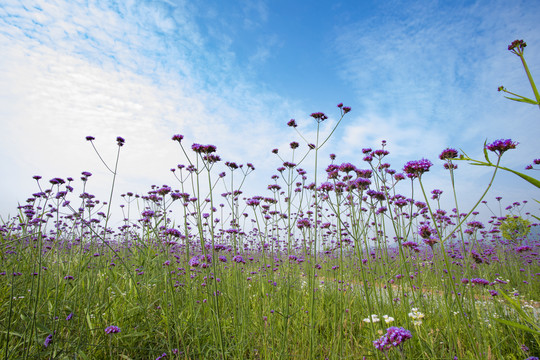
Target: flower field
(342,267)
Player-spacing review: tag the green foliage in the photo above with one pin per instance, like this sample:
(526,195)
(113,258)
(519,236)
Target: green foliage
(515,228)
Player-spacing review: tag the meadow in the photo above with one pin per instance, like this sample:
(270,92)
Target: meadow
(343,267)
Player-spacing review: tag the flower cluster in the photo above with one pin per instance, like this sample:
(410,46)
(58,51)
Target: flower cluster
(373,318)
(394,337)
(416,316)
(501,146)
(517,47)
(112,330)
(415,169)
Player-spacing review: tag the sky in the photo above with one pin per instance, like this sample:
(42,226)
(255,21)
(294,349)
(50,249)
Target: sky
(422,75)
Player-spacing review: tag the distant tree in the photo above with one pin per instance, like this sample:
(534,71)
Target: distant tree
(515,228)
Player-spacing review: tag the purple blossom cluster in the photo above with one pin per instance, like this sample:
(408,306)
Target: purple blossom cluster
(394,337)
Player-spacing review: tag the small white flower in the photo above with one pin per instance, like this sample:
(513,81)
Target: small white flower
(416,316)
(388,319)
(374,318)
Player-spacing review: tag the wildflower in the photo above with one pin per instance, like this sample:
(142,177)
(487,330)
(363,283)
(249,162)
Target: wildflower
(448,154)
(500,146)
(294,145)
(69,317)
(415,169)
(120,141)
(292,123)
(57,181)
(112,330)
(374,318)
(480,281)
(48,340)
(90,138)
(178,137)
(416,316)
(425,231)
(319,116)
(517,47)
(394,337)
(388,319)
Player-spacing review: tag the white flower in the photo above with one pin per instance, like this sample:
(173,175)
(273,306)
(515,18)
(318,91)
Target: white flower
(374,318)
(416,316)
(388,319)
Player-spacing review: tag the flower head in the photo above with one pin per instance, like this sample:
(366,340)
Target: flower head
(177,137)
(517,47)
(500,146)
(292,123)
(448,154)
(394,337)
(48,340)
(112,330)
(416,316)
(319,116)
(416,168)
(120,141)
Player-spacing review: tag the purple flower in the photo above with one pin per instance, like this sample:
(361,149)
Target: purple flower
(425,231)
(480,281)
(319,116)
(416,168)
(90,138)
(292,123)
(120,141)
(69,317)
(448,154)
(500,146)
(112,330)
(517,47)
(48,340)
(177,137)
(394,337)
(57,181)
(238,259)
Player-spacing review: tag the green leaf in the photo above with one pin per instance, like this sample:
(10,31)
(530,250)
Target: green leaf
(532,180)
(516,325)
(524,100)
(486,153)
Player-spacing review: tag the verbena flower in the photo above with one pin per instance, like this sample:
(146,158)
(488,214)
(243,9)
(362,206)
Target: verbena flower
(319,116)
(48,340)
(178,137)
(448,154)
(416,168)
(112,330)
(394,337)
(501,146)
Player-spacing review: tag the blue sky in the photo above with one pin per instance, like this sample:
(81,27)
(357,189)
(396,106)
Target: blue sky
(420,74)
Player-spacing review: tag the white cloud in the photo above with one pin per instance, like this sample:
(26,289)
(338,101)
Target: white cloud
(78,79)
